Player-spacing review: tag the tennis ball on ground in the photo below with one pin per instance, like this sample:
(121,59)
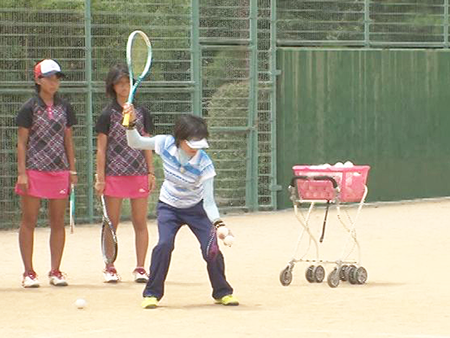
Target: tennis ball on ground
(80,303)
(222,232)
(229,240)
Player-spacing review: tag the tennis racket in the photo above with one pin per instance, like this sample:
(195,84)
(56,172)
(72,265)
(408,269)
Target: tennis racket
(139,61)
(72,208)
(108,237)
(212,249)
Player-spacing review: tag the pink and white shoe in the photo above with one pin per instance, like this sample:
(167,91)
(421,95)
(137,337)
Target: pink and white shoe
(110,275)
(140,275)
(30,280)
(57,278)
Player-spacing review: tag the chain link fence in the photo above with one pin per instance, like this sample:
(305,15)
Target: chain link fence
(388,23)
(205,62)
(215,58)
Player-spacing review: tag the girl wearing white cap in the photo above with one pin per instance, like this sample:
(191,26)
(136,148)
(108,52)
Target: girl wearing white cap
(186,197)
(46,167)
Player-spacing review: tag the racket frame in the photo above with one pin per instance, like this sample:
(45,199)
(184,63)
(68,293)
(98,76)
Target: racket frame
(106,222)
(134,84)
(72,208)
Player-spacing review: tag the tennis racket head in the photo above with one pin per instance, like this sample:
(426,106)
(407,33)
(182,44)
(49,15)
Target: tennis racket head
(108,237)
(72,208)
(212,249)
(139,59)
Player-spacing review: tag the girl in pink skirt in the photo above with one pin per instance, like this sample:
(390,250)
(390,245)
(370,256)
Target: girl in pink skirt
(46,167)
(124,172)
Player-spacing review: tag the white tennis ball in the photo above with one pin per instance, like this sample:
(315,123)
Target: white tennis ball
(339,165)
(229,240)
(80,303)
(222,232)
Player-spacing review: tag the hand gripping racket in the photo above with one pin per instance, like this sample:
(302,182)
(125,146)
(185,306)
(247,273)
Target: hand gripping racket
(108,237)
(139,61)
(72,208)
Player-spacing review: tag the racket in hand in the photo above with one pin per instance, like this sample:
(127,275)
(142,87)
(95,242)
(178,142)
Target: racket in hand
(72,208)
(108,237)
(139,61)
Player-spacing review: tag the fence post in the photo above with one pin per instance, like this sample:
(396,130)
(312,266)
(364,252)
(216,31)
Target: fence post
(252,148)
(367,23)
(273,101)
(446,23)
(89,117)
(195,58)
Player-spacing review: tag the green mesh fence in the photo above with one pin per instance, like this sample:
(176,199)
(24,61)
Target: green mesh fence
(363,22)
(215,58)
(208,58)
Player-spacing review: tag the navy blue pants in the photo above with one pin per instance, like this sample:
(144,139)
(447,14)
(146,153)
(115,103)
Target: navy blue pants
(170,220)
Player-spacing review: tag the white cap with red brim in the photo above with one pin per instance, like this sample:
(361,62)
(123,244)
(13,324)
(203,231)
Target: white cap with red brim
(47,68)
(198,144)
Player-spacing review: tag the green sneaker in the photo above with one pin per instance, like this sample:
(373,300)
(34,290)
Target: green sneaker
(149,302)
(228,300)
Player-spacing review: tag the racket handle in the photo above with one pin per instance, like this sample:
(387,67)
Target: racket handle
(126,120)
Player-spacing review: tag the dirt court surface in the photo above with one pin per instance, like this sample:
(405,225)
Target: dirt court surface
(405,249)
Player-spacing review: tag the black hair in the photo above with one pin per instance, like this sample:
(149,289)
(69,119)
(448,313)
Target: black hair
(189,127)
(115,74)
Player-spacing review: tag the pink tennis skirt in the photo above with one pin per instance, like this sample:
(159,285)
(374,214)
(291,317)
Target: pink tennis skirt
(126,186)
(46,184)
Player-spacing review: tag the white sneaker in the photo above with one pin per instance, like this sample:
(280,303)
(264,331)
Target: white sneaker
(140,276)
(30,280)
(110,275)
(57,278)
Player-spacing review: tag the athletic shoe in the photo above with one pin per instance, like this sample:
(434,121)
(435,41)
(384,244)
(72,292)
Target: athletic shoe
(140,276)
(149,302)
(228,300)
(57,278)
(110,275)
(30,280)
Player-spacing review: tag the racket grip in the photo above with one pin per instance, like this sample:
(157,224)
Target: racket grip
(126,120)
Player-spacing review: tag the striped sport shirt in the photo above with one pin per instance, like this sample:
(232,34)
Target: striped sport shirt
(183,184)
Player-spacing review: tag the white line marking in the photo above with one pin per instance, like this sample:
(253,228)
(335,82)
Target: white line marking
(365,334)
(73,334)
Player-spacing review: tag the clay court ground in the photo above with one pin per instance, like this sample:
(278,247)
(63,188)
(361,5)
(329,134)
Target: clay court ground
(405,249)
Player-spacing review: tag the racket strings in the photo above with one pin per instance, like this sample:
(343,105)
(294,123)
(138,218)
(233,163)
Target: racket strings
(139,55)
(108,236)
(109,244)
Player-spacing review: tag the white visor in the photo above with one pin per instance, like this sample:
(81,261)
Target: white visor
(198,144)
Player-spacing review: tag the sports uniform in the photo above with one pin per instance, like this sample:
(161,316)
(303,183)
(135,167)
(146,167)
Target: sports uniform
(188,181)
(46,160)
(126,170)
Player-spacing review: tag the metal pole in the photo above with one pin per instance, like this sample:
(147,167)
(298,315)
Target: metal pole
(195,58)
(89,112)
(367,23)
(446,23)
(252,148)
(273,102)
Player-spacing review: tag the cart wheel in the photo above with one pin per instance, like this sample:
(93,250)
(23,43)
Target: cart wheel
(352,275)
(342,275)
(333,278)
(360,275)
(286,276)
(318,274)
(347,271)
(310,274)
